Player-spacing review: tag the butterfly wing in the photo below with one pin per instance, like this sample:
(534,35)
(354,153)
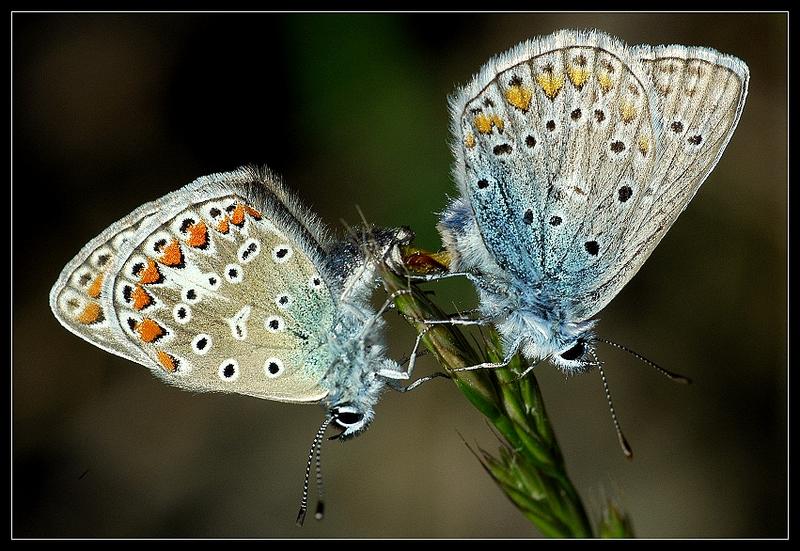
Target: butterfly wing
(76,298)
(557,144)
(543,133)
(216,288)
(700,95)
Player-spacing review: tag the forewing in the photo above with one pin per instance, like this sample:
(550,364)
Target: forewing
(547,135)
(221,291)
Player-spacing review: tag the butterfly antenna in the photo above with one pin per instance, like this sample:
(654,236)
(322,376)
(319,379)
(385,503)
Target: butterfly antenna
(313,453)
(626,448)
(368,241)
(348,228)
(320,512)
(670,375)
(362,216)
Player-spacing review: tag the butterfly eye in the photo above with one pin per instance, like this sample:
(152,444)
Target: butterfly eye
(575,352)
(347,417)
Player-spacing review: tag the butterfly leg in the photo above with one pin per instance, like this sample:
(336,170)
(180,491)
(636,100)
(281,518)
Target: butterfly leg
(393,373)
(464,314)
(390,300)
(415,352)
(386,305)
(497,365)
(394,385)
(448,275)
(458,321)
(487,365)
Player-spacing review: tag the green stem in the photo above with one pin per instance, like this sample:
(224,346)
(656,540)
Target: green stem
(530,468)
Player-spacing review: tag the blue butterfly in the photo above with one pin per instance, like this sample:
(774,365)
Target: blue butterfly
(574,154)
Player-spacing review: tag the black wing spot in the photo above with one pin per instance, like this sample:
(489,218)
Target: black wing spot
(530,141)
(186,223)
(555,220)
(551,125)
(575,115)
(528,218)
(502,149)
(483,183)
(625,193)
(592,247)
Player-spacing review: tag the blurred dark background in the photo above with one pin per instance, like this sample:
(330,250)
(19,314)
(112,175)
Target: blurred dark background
(111,111)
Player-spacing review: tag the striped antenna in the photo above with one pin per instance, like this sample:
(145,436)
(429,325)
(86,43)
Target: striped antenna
(626,448)
(314,453)
(672,376)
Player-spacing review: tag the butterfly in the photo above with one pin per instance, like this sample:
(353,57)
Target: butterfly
(574,154)
(231,285)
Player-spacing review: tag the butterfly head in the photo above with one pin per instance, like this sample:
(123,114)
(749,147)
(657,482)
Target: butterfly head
(568,345)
